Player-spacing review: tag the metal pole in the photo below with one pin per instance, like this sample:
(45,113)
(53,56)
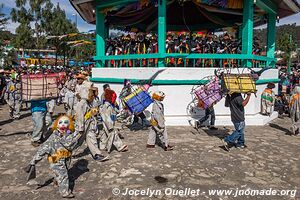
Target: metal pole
(162,28)
(75,14)
(76,20)
(100,37)
(289,64)
(247,30)
(271,38)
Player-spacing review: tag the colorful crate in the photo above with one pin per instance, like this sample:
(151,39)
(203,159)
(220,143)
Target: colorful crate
(39,86)
(209,94)
(238,83)
(138,101)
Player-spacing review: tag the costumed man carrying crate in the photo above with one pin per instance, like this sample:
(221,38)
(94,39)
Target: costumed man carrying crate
(158,127)
(39,89)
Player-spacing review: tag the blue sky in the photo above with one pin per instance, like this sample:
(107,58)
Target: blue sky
(83,26)
(64,4)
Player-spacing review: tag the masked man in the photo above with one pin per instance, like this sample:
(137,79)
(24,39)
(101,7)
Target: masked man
(158,123)
(13,97)
(295,110)
(70,100)
(58,148)
(86,122)
(110,136)
(50,110)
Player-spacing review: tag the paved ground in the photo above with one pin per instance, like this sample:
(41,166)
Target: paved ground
(270,161)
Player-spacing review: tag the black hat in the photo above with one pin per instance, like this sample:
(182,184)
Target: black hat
(271,85)
(105,86)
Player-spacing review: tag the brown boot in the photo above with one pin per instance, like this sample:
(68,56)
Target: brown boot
(150,146)
(168,148)
(35,144)
(68,196)
(124,149)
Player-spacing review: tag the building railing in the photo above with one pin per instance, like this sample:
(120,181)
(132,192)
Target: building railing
(185,60)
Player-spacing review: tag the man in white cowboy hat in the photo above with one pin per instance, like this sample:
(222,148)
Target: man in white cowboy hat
(158,123)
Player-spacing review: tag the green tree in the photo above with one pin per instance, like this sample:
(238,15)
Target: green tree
(286,44)
(291,29)
(59,25)
(25,13)
(10,58)
(24,32)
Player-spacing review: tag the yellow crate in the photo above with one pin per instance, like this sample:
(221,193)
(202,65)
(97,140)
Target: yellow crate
(239,83)
(134,93)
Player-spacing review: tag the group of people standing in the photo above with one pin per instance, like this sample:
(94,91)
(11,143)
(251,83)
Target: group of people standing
(89,118)
(183,42)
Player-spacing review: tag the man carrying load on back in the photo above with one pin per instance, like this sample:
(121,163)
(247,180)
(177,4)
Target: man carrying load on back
(236,103)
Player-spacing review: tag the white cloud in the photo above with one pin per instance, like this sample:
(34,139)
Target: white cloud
(11,26)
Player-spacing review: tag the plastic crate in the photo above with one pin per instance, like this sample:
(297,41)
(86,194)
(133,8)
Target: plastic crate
(208,94)
(39,86)
(238,83)
(138,101)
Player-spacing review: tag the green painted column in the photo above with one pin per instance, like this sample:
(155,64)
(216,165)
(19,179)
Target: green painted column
(162,29)
(247,30)
(100,36)
(271,37)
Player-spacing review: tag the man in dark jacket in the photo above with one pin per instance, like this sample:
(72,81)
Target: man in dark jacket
(2,85)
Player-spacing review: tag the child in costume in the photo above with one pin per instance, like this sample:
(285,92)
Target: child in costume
(58,148)
(268,100)
(158,123)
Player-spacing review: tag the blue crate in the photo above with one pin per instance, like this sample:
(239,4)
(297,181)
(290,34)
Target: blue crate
(139,102)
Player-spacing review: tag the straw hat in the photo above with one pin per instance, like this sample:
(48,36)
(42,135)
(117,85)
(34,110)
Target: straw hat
(80,76)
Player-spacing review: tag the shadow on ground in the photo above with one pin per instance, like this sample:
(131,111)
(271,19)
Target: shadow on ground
(85,152)
(78,168)
(285,130)
(220,133)
(17,133)
(11,120)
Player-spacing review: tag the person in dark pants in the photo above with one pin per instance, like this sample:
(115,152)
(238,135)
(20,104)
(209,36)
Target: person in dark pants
(210,111)
(136,118)
(2,86)
(38,110)
(236,103)
(279,106)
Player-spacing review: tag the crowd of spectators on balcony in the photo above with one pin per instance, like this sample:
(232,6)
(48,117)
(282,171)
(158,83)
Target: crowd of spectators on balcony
(178,43)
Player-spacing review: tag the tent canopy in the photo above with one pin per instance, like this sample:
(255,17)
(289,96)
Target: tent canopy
(181,14)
